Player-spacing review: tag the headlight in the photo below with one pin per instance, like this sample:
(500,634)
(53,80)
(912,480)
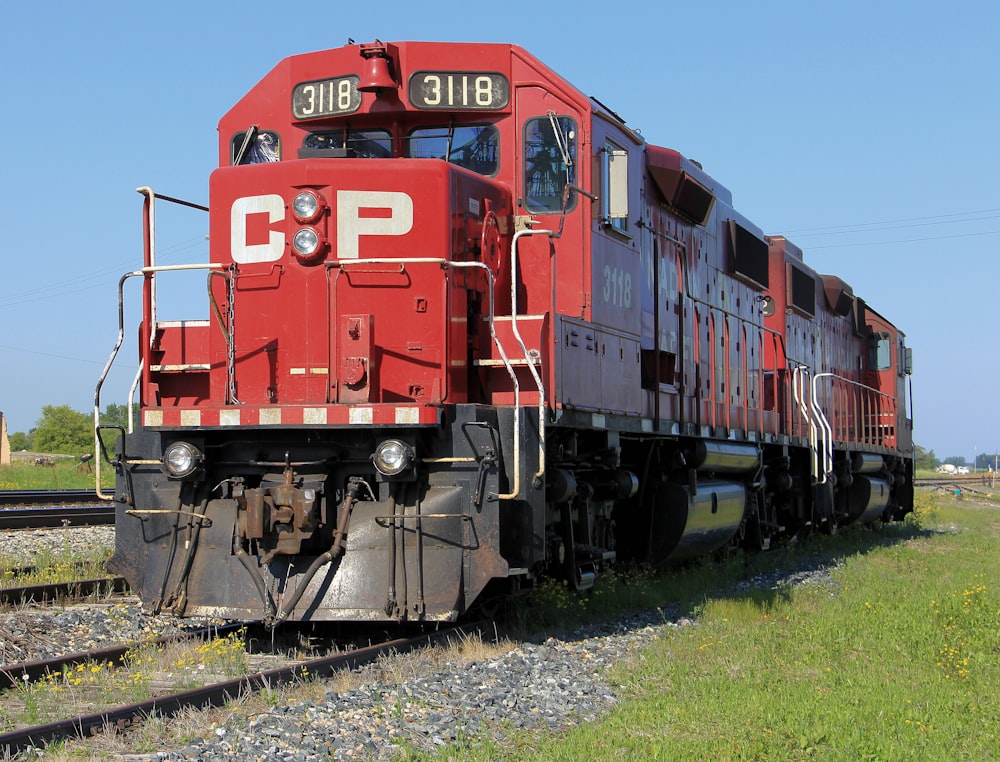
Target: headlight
(392,457)
(307,206)
(182,459)
(306,242)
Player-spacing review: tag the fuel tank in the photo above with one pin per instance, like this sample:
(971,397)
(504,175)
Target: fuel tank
(869,498)
(690,523)
(725,457)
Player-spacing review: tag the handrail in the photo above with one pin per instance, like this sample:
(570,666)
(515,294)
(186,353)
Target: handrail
(869,406)
(540,474)
(826,432)
(800,386)
(516,480)
(114,354)
(101,379)
(149,311)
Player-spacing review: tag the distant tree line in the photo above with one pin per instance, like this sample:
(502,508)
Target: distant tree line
(61,430)
(925,459)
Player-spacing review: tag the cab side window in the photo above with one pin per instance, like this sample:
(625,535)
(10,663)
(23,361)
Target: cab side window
(549,163)
(614,195)
(255,147)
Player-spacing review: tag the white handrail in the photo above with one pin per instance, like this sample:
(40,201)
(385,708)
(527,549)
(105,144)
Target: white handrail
(540,474)
(101,495)
(493,334)
(826,438)
(800,385)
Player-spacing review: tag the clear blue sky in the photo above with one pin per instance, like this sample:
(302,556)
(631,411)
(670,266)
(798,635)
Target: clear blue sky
(865,131)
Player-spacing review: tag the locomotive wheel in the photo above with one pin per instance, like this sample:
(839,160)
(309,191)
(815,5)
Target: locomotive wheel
(488,606)
(758,530)
(757,537)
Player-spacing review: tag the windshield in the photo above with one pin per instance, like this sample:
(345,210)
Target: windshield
(475,147)
(356,144)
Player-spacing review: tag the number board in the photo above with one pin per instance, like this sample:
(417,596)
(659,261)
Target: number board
(326,97)
(459,90)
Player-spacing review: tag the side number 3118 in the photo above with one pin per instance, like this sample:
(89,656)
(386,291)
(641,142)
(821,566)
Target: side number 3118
(617,287)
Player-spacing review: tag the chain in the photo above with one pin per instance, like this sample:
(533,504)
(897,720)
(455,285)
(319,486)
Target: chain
(231,339)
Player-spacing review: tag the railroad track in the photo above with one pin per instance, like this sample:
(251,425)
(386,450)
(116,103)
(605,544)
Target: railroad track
(216,694)
(965,484)
(41,509)
(26,497)
(60,591)
(14,674)
(57,516)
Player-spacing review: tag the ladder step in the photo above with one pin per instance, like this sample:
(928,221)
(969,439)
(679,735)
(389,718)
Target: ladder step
(179,368)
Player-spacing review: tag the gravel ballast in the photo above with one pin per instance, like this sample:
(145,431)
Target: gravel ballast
(535,686)
(422,704)
(32,633)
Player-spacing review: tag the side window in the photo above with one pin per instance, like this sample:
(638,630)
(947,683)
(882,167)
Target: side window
(255,147)
(614,195)
(905,360)
(475,147)
(355,144)
(549,163)
(879,350)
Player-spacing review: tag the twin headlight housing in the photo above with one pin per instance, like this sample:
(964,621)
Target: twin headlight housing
(308,207)
(392,457)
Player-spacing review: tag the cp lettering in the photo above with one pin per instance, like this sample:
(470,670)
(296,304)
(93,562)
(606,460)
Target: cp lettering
(358,213)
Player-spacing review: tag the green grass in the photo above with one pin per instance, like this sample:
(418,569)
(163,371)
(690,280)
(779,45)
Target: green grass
(50,566)
(66,473)
(898,660)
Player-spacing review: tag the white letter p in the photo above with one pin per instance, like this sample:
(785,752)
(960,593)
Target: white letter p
(351,225)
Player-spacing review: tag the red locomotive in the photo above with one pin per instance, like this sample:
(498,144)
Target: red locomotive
(464,329)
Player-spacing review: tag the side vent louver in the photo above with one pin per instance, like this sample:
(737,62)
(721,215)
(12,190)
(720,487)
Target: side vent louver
(680,188)
(801,290)
(839,296)
(693,199)
(747,255)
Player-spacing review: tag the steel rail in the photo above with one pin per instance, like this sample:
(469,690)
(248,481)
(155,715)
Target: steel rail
(78,588)
(217,694)
(58,516)
(17,674)
(49,497)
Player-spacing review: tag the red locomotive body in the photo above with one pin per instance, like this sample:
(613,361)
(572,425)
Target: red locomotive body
(466,328)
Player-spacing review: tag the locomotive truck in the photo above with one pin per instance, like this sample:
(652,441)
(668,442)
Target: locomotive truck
(463,329)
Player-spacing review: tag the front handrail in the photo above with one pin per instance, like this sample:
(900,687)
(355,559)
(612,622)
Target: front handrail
(149,269)
(491,320)
(143,360)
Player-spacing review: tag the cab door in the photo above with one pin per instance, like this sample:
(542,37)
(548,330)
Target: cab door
(551,154)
